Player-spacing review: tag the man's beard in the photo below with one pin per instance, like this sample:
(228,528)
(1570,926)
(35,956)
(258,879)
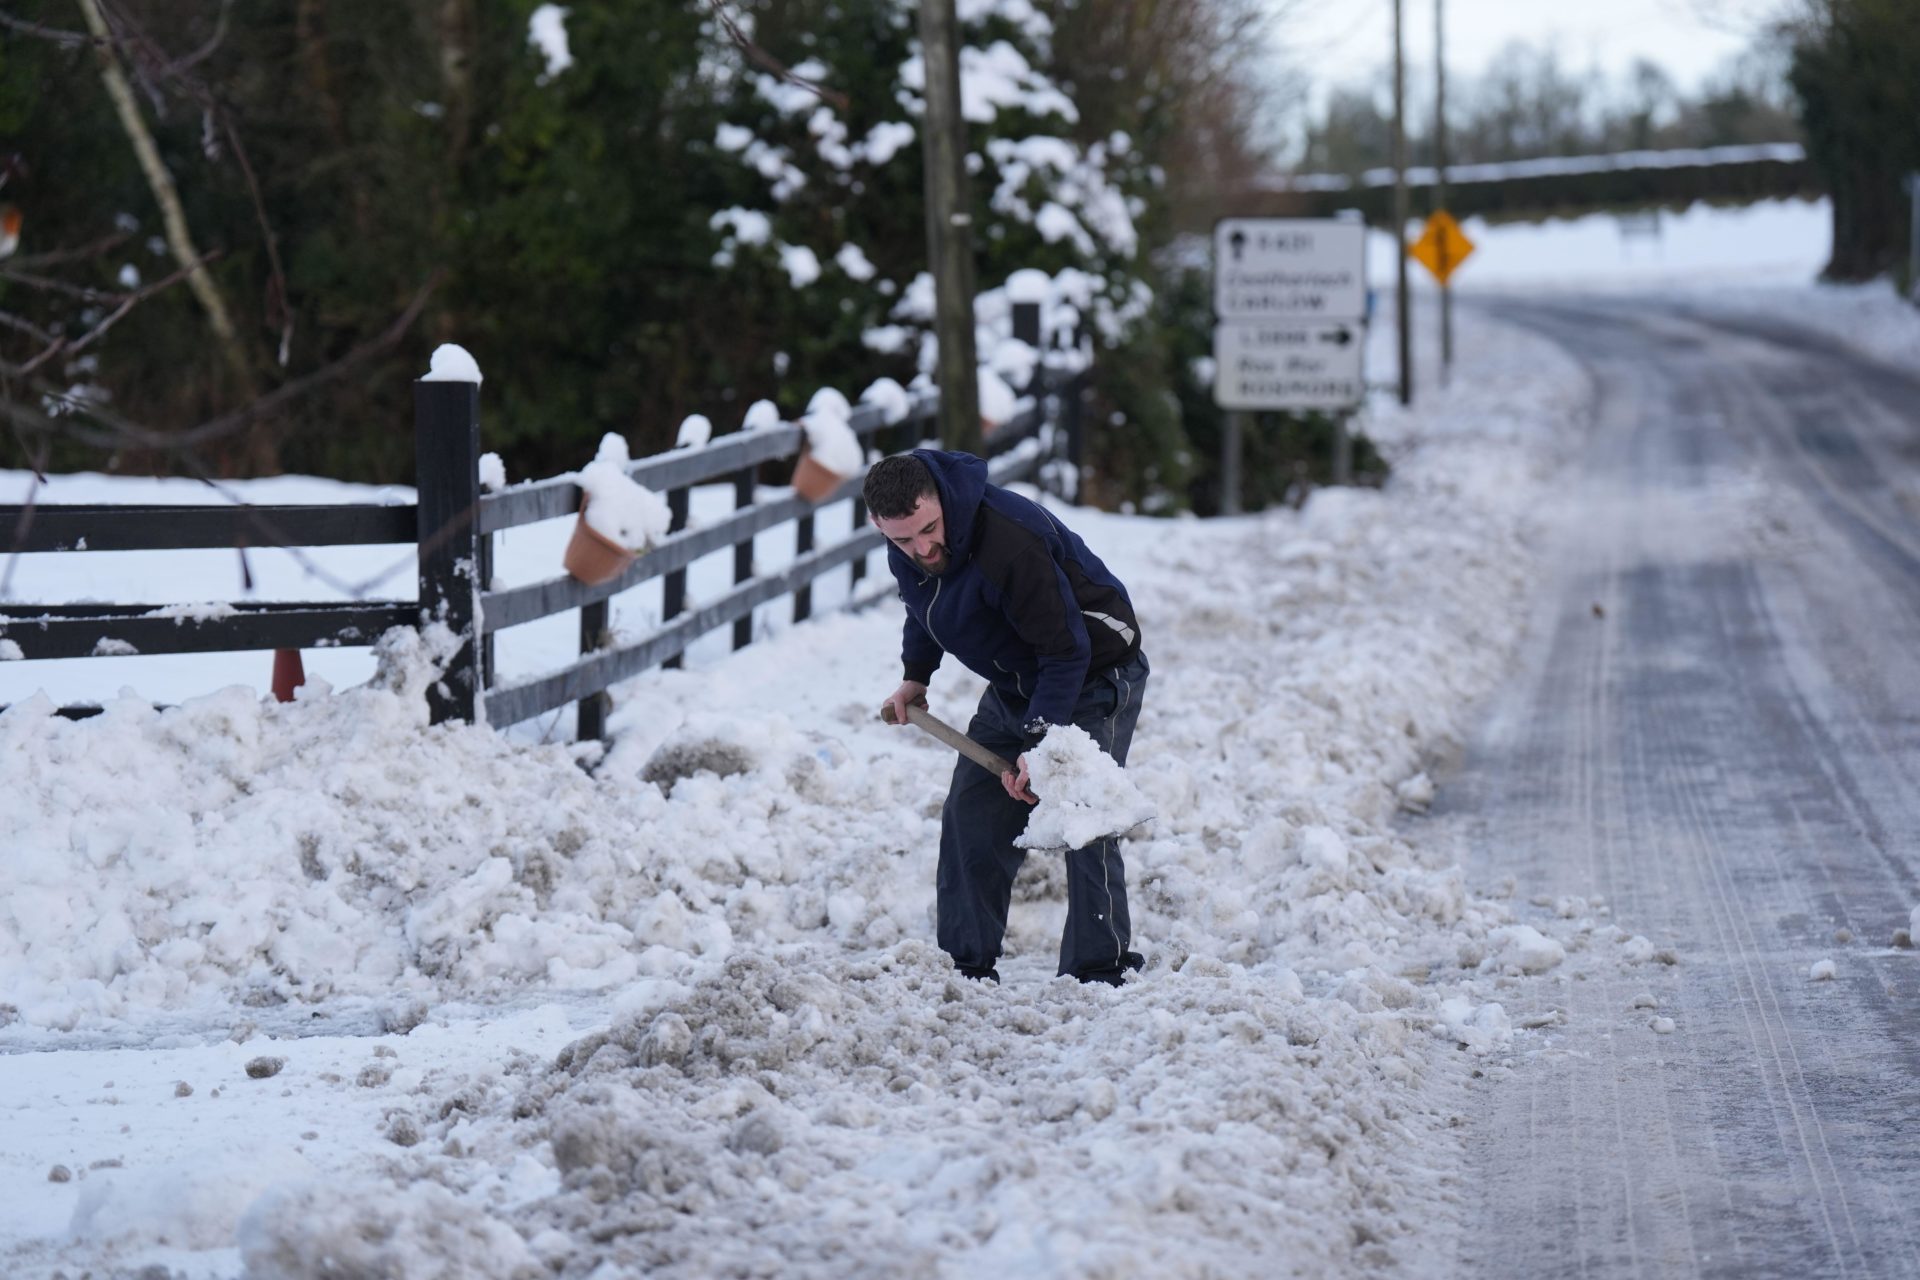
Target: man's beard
(936,565)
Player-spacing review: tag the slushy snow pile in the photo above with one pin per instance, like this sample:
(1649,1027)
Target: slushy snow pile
(617,508)
(784,1076)
(1083,794)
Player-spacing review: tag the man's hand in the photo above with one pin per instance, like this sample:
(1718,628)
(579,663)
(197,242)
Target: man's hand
(1018,785)
(910,693)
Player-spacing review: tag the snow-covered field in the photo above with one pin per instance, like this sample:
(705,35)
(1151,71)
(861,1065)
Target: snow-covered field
(315,990)
(1775,242)
(1757,261)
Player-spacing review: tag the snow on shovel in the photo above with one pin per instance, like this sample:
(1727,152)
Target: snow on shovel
(1084,794)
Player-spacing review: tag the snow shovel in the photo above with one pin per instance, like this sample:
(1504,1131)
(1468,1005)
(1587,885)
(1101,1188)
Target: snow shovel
(919,716)
(1070,824)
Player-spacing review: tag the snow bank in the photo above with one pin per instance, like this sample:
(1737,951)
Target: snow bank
(795,1081)
(186,1204)
(812,1115)
(315,1231)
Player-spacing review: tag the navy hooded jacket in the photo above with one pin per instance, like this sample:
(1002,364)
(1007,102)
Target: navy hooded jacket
(1022,601)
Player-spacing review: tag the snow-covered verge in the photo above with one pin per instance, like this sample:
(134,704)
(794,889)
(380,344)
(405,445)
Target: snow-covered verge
(1872,318)
(779,1074)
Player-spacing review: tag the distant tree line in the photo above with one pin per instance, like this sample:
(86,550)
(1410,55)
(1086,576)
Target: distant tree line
(675,222)
(1529,103)
(1841,76)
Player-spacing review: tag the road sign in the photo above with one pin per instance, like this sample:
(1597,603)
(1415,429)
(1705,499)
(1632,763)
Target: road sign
(1289,269)
(1278,364)
(1442,246)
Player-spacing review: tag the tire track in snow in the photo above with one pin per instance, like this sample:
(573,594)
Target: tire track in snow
(1711,757)
(1798,1125)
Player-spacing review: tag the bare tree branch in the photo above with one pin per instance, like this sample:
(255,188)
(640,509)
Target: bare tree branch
(51,285)
(79,253)
(161,182)
(66,39)
(154,64)
(28,327)
(123,433)
(754,52)
(34,430)
(60,346)
(180,66)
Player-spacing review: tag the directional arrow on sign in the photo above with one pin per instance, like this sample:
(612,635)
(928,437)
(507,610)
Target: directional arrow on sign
(1287,364)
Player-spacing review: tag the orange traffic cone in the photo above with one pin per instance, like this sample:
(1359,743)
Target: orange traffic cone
(289,673)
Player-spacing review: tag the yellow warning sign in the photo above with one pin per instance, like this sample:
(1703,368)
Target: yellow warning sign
(1442,247)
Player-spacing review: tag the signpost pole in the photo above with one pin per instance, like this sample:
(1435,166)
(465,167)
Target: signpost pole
(1402,303)
(1230,465)
(1913,237)
(1440,176)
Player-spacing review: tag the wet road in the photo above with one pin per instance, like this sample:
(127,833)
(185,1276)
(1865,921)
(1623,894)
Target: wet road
(1715,723)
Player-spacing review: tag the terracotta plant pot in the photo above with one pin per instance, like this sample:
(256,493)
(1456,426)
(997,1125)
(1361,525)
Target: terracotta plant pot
(592,557)
(813,481)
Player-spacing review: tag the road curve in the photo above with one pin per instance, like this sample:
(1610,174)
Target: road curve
(1715,725)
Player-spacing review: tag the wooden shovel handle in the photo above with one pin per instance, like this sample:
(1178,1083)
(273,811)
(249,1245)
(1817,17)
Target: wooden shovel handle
(920,716)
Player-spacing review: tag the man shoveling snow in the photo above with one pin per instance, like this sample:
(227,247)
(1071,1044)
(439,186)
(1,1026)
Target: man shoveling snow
(997,581)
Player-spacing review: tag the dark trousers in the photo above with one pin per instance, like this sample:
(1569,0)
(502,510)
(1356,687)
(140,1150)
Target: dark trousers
(978,860)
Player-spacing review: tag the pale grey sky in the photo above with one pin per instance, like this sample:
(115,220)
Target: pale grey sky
(1340,41)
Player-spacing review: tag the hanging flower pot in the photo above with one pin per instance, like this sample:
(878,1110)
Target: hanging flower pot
(592,557)
(626,518)
(813,481)
(830,451)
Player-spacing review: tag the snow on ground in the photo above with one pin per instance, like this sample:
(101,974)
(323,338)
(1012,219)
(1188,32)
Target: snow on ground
(291,988)
(773,1071)
(1754,262)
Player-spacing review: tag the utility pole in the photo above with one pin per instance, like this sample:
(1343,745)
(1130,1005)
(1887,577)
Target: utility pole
(1913,236)
(1440,175)
(943,146)
(1403,304)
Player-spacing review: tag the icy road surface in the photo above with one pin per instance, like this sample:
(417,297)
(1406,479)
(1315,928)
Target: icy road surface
(1715,724)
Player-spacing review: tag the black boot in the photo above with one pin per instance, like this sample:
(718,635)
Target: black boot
(1114,975)
(979,974)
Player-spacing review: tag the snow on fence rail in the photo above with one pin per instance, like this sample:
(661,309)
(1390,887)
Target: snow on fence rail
(452,524)
(729,458)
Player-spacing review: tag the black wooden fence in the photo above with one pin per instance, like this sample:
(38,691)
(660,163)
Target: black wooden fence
(452,526)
